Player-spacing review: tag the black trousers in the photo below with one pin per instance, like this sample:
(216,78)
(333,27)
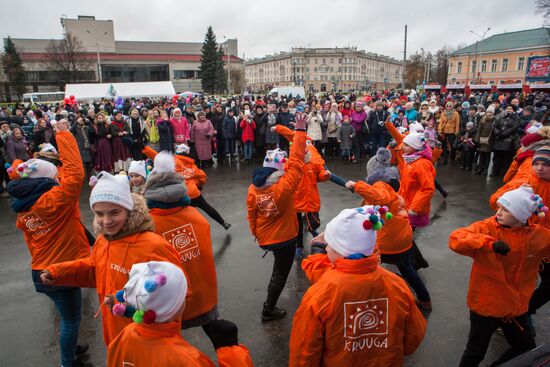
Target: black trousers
(418,261)
(333,148)
(300,238)
(200,202)
(541,296)
(484,159)
(284,258)
(450,138)
(516,331)
(468,158)
(4,177)
(439,188)
(501,161)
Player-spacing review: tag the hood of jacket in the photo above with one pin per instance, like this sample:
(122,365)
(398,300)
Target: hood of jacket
(25,192)
(166,187)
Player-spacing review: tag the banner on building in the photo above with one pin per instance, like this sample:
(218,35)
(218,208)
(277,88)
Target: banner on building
(538,69)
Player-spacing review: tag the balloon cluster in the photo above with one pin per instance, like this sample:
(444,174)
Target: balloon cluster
(71,101)
(175,99)
(119,103)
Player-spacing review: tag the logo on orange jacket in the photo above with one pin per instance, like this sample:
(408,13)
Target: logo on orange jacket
(266,204)
(366,324)
(34,224)
(188,172)
(185,242)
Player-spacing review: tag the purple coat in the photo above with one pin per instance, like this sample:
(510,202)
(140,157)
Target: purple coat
(201,135)
(358,119)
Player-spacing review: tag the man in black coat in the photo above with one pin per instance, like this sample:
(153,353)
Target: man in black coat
(377,129)
(217,121)
(285,118)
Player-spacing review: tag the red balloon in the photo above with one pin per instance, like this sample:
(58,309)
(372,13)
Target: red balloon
(72,98)
(67,100)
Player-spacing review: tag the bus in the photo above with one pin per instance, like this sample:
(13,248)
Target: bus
(44,97)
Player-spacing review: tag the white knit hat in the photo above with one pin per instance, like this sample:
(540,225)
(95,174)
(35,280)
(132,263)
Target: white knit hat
(47,147)
(415,140)
(275,159)
(112,189)
(138,167)
(164,163)
(522,203)
(37,168)
(182,149)
(353,231)
(415,127)
(155,292)
(491,109)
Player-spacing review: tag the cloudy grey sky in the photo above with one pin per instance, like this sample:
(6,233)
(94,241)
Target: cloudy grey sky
(263,27)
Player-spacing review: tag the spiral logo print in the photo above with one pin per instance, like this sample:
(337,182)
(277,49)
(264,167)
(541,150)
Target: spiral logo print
(366,318)
(34,224)
(266,204)
(182,238)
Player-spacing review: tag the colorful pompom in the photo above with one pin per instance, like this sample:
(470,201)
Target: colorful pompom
(7,165)
(367,225)
(138,317)
(10,170)
(544,209)
(370,211)
(386,208)
(93,181)
(382,211)
(150,285)
(149,317)
(276,160)
(160,279)
(119,309)
(20,168)
(120,296)
(122,173)
(130,311)
(290,143)
(266,159)
(542,215)
(373,218)
(25,175)
(283,160)
(377,226)
(149,168)
(389,215)
(533,197)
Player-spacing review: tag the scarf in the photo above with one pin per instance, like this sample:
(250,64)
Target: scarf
(425,153)
(26,192)
(119,124)
(449,114)
(82,129)
(153,204)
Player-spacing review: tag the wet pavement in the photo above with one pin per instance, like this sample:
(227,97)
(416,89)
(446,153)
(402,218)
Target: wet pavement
(29,322)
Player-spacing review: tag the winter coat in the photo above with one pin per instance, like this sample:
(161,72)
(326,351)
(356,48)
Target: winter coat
(449,126)
(314,126)
(112,258)
(288,134)
(261,129)
(84,138)
(271,213)
(484,131)
(166,138)
(201,135)
(161,345)
(271,137)
(334,121)
(504,133)
(501,286)
(356,313)
(306,197)
(396,235)
(229,127)
(52,228)
(358,120)
(345,135)
(411,115)
(417,184)
(42,135)
(522,164)
(194,247)
(285,119)
(247,126)
(180,129)
(17,149)
(217,122)
(137,129)
(376,122)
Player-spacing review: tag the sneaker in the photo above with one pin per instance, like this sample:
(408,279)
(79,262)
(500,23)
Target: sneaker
(226,225)
(299,254)
(444,193)
(426,306)
(272,313)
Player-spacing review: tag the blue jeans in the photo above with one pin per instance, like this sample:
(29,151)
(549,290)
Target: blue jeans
(68,301)
(248,150)
(404,264)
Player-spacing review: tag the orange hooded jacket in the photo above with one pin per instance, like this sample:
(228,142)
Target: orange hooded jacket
(306,197)
(108,267)
(194,176)
(161,345)
(355,314)
(418,185)
(271,213)
(501,286)
(396,235)
(189,233)
(52,227)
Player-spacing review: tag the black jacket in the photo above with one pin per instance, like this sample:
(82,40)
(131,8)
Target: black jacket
(376,122)
(504,132)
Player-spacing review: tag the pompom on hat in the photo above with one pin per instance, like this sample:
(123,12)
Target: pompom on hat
(111,189)
(353,231)
(182,149)
(164,163)
(154,293)
(522,203)
(37,168)
(138,167)
(378,161)
(275,159)
(415,140)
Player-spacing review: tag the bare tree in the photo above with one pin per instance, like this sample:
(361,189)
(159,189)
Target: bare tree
(543,7)
(237,80)
(67,58)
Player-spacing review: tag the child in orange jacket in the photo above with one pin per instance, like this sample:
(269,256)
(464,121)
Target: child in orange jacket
(356,313)
(125,238)
(189,233)
(506,250)
(195,178)
(154,297)
(271,213)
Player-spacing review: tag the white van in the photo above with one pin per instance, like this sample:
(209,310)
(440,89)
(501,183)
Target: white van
(286,91)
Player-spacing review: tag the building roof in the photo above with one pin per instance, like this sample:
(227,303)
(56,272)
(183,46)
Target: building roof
(530,38)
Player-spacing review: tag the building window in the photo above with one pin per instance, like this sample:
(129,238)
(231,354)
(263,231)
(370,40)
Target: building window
(184,74)
(521,63)
(483,66)
(493,65)
(474,67)
(315,69)
(315,60)
(324,61)
(331,60)
(459,67)
(307,69)
(504,64)
(339,60)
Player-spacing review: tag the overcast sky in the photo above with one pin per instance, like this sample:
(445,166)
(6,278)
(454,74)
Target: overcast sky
(263,27)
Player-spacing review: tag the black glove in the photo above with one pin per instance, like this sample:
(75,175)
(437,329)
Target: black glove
(501,248)
(222,333)
(318,248)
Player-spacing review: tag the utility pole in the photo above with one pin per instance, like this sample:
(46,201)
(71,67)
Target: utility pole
(404,76)
(481,37)
(100,77)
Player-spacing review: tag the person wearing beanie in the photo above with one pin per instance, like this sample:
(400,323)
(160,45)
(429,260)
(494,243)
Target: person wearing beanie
(189,233)
(467,146)
(195,179)
(379,161)
(154,338)
(125,236)
(47,214)
(345,275)
(271,213)
(395,239)
(137,173)
(521,165)
(506,250)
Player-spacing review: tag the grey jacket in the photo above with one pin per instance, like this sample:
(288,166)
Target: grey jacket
(345,135)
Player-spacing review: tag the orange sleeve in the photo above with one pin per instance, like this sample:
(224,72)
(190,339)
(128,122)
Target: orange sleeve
(285,132)
(469,240)
(73,179)
(234,356)
(199,175)
(512,170)
(395,134)
(456,117)
(314,266)
(295,168)
(415,328)
(423,196)
(436,154)
(14,175)
(375,194)
(513,184)
(77,273)
(150,152)
(322,173)
(307,341)
(251,207)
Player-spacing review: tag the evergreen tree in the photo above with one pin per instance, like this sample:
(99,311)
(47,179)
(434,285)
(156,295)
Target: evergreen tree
(210,58)
(13,67)
(221,74)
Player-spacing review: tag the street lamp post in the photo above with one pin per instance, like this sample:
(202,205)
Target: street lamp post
(98,59)
(482,37)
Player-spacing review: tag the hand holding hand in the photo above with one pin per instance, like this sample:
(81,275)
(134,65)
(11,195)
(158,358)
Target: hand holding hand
(350,185)
(501,248)
(46,277)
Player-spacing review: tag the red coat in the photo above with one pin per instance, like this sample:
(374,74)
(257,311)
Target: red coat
(248,127)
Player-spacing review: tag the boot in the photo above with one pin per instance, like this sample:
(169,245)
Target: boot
(272,313)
